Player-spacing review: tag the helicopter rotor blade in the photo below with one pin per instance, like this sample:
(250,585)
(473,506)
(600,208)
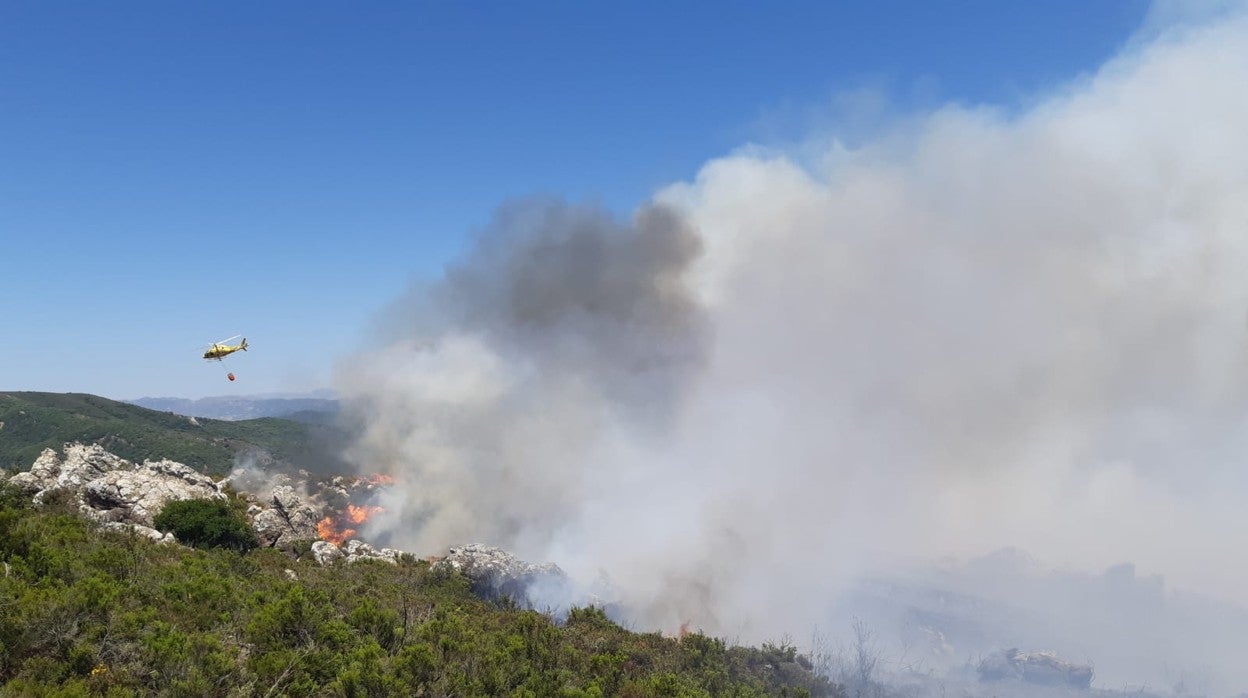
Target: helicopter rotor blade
(230,339)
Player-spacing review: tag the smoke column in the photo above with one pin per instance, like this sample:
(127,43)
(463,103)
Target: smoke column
(980,329)
(562,330)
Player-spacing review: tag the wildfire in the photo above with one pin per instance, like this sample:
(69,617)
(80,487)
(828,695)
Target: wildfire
(380,479)
(338,530)
(359,515)
(328,530)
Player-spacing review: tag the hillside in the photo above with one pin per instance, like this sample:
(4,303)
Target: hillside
(99,596)
(31,421)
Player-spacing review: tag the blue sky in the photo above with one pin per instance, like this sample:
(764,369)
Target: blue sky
(175,173)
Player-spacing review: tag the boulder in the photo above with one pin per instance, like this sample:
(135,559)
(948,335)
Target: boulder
(288,519)
(358,550)
(326,553)
(1038,668)
(496,573)
(137,529)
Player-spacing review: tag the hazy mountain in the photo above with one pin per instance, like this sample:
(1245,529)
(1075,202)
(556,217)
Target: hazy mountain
(314,408)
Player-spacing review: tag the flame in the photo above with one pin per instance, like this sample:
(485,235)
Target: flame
(380,479)
(339,529)
(327,530)
(359,515)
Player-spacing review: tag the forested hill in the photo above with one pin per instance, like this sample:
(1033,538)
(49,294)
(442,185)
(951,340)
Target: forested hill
(32,421)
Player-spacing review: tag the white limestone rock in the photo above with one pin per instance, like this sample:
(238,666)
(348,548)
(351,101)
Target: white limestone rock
(495,572)
(137,496)
(138,529)
(287,520)
(81,464)
(358,550)
(326,553)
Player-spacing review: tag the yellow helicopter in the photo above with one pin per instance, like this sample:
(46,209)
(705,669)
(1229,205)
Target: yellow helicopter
(219,350)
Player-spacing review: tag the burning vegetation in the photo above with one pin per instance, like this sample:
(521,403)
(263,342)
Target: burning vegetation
(344,524)
(338,529)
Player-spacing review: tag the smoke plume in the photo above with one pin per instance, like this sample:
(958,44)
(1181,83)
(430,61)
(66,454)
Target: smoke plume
(564,328)
(980,329)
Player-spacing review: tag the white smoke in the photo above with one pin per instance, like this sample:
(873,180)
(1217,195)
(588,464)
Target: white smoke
(983,329)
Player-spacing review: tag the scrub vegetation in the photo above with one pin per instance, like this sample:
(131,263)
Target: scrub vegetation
(85,612)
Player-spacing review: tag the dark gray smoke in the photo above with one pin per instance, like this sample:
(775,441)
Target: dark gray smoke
(576,294)
(562,323)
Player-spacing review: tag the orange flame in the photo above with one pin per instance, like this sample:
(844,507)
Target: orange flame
(359,515)
(338,531)
(328,530)
(380,479)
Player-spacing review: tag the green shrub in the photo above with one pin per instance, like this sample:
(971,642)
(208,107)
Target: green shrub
(207,523)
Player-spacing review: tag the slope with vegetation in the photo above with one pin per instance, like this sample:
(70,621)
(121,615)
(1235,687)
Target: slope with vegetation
(30,422)
(88,612)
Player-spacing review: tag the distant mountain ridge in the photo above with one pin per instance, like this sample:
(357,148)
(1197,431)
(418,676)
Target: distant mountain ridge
(230,408)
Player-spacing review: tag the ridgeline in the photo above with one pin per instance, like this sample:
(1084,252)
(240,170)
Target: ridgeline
(31,422)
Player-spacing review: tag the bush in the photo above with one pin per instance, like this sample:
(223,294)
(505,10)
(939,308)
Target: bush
(206,523)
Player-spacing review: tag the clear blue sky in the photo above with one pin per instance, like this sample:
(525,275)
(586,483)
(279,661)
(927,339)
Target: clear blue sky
(172,173)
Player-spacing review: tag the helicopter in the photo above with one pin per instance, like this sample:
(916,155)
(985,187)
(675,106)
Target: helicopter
(219,350)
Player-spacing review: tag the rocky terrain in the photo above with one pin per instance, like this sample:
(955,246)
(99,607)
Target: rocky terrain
(283,510)
(111,490)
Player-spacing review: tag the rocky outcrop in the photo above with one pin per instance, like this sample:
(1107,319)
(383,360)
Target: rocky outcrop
(137,496)
(1038,668)
(288,519)
(108,488)
(81,464)
(357,550)
(496,573)
(327,553)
